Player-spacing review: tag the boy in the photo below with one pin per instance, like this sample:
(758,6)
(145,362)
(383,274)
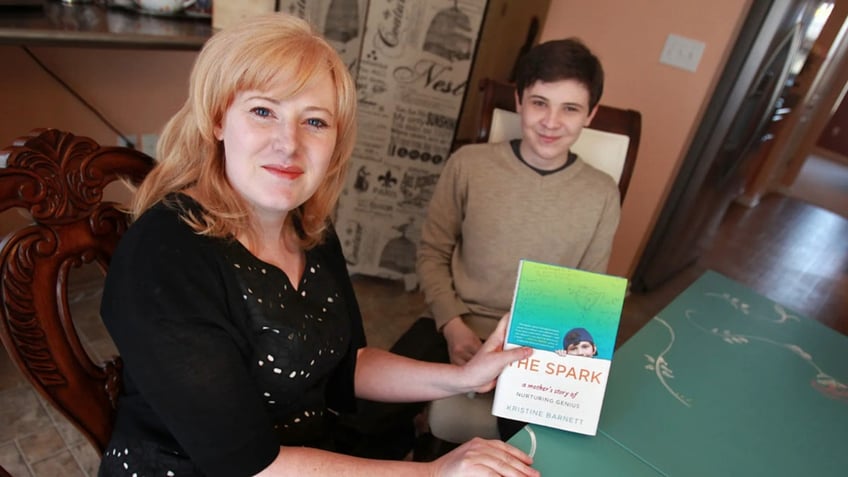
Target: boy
(494,204)
(529,198)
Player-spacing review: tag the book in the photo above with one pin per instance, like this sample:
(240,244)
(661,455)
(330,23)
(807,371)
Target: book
(570,318)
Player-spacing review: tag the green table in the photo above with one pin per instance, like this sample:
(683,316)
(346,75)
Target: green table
(722,382)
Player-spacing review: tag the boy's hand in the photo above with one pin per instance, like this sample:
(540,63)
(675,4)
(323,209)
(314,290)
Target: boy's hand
(463,343)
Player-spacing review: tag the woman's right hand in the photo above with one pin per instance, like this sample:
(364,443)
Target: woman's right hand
(481,457)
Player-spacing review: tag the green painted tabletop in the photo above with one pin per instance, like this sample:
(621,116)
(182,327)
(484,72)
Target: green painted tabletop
(723,381)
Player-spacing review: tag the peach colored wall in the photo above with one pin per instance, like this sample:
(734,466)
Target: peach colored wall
(137,90)
(628,37)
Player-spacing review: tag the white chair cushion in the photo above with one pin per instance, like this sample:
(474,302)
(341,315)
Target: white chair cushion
(603,150)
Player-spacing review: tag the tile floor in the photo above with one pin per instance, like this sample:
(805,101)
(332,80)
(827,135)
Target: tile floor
(37,441)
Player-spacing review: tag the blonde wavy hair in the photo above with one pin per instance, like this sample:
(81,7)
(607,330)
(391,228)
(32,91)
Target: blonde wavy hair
(248,56)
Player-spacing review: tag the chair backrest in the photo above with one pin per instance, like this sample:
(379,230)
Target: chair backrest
(58,179)
(610,143)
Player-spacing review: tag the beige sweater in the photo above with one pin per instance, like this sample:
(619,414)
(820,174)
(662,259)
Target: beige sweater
(489,210)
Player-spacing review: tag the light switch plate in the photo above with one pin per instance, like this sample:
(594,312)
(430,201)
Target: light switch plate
(682,52)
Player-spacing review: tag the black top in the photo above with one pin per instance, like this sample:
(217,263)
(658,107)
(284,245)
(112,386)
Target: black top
(224,360)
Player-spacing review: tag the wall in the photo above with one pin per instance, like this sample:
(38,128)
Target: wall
(628,37)
(136,90)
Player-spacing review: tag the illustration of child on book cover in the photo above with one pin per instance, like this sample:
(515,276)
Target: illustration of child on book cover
(578,342)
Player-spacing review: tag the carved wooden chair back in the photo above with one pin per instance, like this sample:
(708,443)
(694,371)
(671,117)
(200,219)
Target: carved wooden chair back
(613,134)
(58,179)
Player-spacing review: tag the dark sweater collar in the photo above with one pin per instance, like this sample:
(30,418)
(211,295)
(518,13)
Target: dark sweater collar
(516,149)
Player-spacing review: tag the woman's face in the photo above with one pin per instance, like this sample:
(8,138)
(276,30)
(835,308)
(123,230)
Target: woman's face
(277,148)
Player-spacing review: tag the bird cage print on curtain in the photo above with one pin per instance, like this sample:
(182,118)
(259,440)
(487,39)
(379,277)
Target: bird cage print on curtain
(413,71)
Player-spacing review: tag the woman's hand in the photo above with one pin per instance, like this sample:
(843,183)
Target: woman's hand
(484,368)
(485,458)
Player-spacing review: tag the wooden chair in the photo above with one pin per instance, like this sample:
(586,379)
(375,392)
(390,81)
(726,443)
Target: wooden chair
(59,179)
(615,131)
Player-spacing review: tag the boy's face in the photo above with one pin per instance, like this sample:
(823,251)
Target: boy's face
(583,348)
(552,117)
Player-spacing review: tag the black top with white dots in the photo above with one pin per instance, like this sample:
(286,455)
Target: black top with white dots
(224,359)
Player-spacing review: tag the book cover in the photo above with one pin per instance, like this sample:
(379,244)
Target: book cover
(570,318)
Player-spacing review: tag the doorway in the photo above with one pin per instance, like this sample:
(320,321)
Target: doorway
(734,135)
(812,129)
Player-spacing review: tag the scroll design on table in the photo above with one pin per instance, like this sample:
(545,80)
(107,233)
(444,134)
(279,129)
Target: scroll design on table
(822,382)
(661,368)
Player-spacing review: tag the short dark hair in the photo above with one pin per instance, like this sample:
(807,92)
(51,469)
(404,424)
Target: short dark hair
(576,335)
(558,60)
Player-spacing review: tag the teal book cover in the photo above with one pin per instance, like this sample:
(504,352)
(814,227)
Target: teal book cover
(570,318)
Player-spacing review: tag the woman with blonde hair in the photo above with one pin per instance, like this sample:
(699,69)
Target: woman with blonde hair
(228,297)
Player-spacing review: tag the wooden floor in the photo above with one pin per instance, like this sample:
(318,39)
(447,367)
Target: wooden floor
(785,249)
